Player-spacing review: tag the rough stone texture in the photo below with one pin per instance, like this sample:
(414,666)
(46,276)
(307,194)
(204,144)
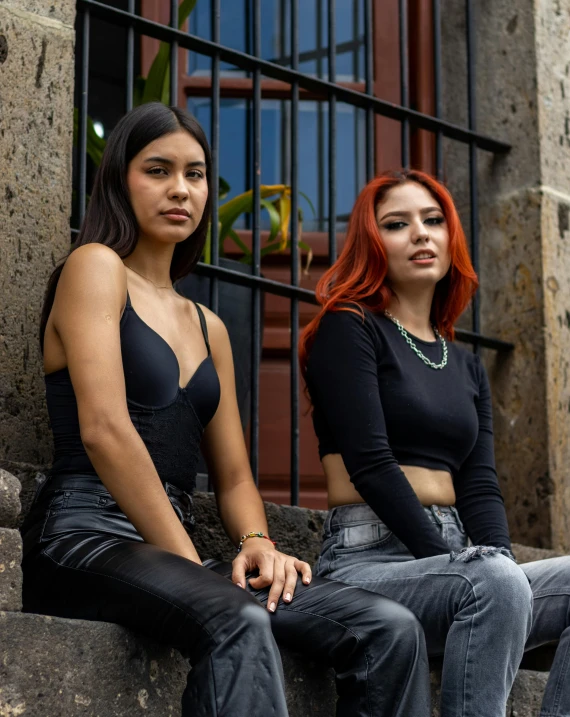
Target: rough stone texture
(51,666)
(36,122)
(30,478)
(10,570)
(556,268)
(527,554)
(62,11)
(512,300)
(523,97)
(9,499)
(298,531)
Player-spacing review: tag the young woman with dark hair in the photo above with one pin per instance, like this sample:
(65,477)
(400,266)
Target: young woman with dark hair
(404,422)
(138,378)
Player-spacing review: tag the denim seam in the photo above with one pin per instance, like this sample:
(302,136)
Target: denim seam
(551,593)
(138,587)
(559,685)
(344,627)
(439,575)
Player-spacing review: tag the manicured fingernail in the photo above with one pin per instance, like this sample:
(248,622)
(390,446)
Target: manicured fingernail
(272,607)
(288,596)
(307,581)
(239,585)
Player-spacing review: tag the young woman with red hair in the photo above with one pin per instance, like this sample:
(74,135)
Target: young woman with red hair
(404,422)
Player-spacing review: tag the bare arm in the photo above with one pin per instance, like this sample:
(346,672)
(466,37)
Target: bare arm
(86,316)
(239,503)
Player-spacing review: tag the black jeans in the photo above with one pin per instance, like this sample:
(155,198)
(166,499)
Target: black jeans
(83,559)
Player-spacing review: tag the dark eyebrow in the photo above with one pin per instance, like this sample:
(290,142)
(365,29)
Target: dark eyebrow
(425,210)
(164,160)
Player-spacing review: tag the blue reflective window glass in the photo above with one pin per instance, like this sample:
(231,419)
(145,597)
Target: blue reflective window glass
(275,35)
(236,134)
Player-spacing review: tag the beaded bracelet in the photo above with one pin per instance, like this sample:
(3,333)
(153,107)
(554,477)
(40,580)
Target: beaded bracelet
(253,535)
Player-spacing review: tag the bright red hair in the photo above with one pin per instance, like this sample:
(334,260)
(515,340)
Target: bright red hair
(359,274)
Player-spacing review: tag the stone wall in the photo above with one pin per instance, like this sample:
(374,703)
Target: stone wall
(523,97)
(54,666)
(36,122)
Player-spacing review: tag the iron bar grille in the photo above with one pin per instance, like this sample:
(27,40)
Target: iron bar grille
(330,93)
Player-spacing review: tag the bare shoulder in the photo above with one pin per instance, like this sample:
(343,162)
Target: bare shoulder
(217,332)
(94,270)
(94,257)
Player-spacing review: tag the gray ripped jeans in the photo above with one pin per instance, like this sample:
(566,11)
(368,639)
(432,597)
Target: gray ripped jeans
(480,615)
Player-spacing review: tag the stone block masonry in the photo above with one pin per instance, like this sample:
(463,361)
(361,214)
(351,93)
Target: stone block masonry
(71,668)
(36,123)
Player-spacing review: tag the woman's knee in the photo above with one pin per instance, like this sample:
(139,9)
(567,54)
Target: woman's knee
(501,580)
(392,622)
(244,616)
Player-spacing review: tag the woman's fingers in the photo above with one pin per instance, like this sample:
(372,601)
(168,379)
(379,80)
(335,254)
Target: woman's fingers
(265,565)
(305,569)
(290,581)
(277,584)
(280,572)
(238,571)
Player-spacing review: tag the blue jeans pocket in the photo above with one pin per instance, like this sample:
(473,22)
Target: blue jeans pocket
(358,537)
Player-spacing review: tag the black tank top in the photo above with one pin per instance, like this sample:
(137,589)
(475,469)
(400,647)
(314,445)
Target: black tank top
(169,418)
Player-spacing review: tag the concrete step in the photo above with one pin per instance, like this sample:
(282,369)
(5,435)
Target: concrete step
(73,668)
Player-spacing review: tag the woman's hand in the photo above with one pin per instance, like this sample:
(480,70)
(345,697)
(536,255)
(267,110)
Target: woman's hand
(275,569)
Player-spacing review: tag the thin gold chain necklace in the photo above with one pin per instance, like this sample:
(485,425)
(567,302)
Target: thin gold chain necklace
(156,286)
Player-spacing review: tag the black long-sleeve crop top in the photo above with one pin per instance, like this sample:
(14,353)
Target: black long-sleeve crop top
(380,406)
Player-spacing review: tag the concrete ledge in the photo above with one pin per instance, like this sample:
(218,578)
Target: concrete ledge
(9,500)
(50,666)
(10,570)
(71,668)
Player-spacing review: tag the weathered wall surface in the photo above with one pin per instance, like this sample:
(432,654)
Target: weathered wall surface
(36,121)
(553,67)
(523,97)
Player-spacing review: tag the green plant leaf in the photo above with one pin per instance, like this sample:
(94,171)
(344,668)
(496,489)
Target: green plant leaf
(138,90)
(207,253)
(232,234)
(243,204)
(157,85)
(223,188)
(274,218)
(186,7)
(285,215)
(306,198)
(156,75)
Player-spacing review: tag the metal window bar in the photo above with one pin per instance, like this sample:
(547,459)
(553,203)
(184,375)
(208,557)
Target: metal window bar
(332,131)
(174,55)
(313,84)
(82,115)
(369,80)
(256,249)
(321,149)
(215,149)
(404,81)
(473,186)
(437,85)
(130,73)
(295,435)
(328,90)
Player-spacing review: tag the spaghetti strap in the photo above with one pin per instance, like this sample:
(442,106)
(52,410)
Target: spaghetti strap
(204,326)
(128,306)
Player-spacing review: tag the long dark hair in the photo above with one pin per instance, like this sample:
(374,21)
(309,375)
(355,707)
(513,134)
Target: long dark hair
(109,218)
